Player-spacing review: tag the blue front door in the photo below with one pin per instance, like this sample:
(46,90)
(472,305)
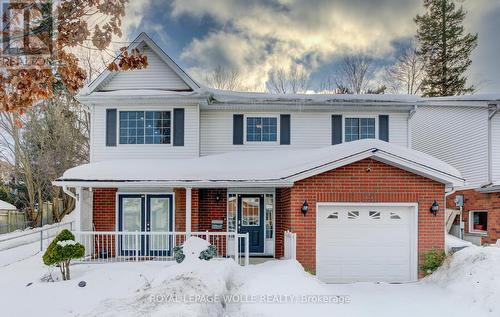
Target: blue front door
(145,213)
(251,220)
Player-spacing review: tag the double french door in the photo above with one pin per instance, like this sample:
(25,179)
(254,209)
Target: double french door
(149,214)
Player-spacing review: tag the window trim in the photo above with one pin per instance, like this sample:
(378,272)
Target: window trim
(259,115)
(471,223)
(171,110)
(360,116)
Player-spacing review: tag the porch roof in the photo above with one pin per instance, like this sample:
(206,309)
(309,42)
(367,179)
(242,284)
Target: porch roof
(273,168)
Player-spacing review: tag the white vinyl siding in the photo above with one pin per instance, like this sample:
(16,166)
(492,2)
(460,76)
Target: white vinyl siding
(158,75)
(308,130)
(102,152)
(456,135)
(495,147)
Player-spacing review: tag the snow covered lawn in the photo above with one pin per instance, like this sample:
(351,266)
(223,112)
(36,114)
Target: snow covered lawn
(468,284)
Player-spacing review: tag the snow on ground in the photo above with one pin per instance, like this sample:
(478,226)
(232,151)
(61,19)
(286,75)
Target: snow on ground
(451,242)
(467,284)
(472,275)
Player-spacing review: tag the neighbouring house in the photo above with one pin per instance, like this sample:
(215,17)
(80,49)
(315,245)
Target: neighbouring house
(171,158)
(464,131)
(10,218)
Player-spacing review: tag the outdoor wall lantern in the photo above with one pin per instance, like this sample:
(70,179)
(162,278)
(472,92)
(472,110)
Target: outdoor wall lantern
(434,208)
(305,208)
(217,197)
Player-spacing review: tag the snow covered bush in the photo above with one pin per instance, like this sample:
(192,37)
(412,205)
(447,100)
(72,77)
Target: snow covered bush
(432,260)
(62,250)
(194,248)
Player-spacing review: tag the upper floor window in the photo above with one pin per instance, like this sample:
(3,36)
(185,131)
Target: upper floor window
(145,127)
(359,128)
(262,129)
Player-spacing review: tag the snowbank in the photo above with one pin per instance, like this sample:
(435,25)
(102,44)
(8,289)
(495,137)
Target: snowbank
(453,242)
(473,275)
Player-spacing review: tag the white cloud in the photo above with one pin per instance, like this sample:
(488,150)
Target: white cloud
(256,36)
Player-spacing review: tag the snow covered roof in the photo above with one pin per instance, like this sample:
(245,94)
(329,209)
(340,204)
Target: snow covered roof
(252,97)
(490,188)
(6,206)
(258,168)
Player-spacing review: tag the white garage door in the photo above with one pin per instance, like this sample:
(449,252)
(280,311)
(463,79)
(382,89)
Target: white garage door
(359,242)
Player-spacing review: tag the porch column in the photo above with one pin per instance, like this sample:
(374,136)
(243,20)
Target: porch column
(188,211)
(78,209)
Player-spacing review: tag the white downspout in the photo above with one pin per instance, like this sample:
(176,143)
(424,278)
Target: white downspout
(68,192)
(78,205)
(408,126)
(490,142)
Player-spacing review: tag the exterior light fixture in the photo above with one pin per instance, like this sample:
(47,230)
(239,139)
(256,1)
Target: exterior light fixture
(434,208)
(217,196)
(305,208)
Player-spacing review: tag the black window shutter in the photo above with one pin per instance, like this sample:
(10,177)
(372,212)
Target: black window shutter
(110,127)
(285,129)
(179,127)
(383,127)
(237,129)
(336,129)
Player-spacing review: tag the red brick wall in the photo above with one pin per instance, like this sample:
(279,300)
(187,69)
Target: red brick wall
(353,183)
(104,205)
(180,209)
(283,218)
(474,200)
(210,209)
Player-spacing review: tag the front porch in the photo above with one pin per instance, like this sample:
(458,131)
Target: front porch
(130,224)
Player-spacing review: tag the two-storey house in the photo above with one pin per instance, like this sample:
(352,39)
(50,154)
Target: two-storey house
(171,158)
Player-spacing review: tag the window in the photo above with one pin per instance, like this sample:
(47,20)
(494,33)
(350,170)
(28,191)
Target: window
(250,211)
(352,214)
(262,129)
(478,221)
(359,128)
(394,216)
(269,205)
(333,215)
(374,214)
(145,127)
(232,206)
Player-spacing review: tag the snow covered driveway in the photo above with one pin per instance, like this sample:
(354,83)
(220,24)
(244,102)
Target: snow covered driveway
(467,284)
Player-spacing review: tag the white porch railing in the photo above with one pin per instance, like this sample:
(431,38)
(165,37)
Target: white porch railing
(123,246)
(290,246)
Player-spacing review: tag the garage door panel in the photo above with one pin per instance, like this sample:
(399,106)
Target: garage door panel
(365,243)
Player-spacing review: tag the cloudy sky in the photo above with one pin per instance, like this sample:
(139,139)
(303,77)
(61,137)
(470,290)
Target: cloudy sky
(255,37)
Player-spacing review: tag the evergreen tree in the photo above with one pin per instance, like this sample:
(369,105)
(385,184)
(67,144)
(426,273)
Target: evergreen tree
(445,48)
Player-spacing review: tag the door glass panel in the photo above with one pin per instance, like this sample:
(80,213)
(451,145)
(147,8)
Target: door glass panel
(231,212)
(269,204)
(159,213)
(250,211)
(131,210)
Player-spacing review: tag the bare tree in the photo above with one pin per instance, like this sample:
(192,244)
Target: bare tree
(354,73)
(40,145)
(282,81)
(225,79)
(407,73)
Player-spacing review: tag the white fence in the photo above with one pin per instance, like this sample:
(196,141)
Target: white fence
(122,246)
(290,247)
(19,245)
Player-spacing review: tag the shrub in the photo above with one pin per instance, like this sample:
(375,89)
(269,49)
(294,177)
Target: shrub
(62,250)
(207,254)
(432,261)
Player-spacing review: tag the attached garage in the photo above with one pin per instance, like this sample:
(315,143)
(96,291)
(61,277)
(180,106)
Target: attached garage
(366,242)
